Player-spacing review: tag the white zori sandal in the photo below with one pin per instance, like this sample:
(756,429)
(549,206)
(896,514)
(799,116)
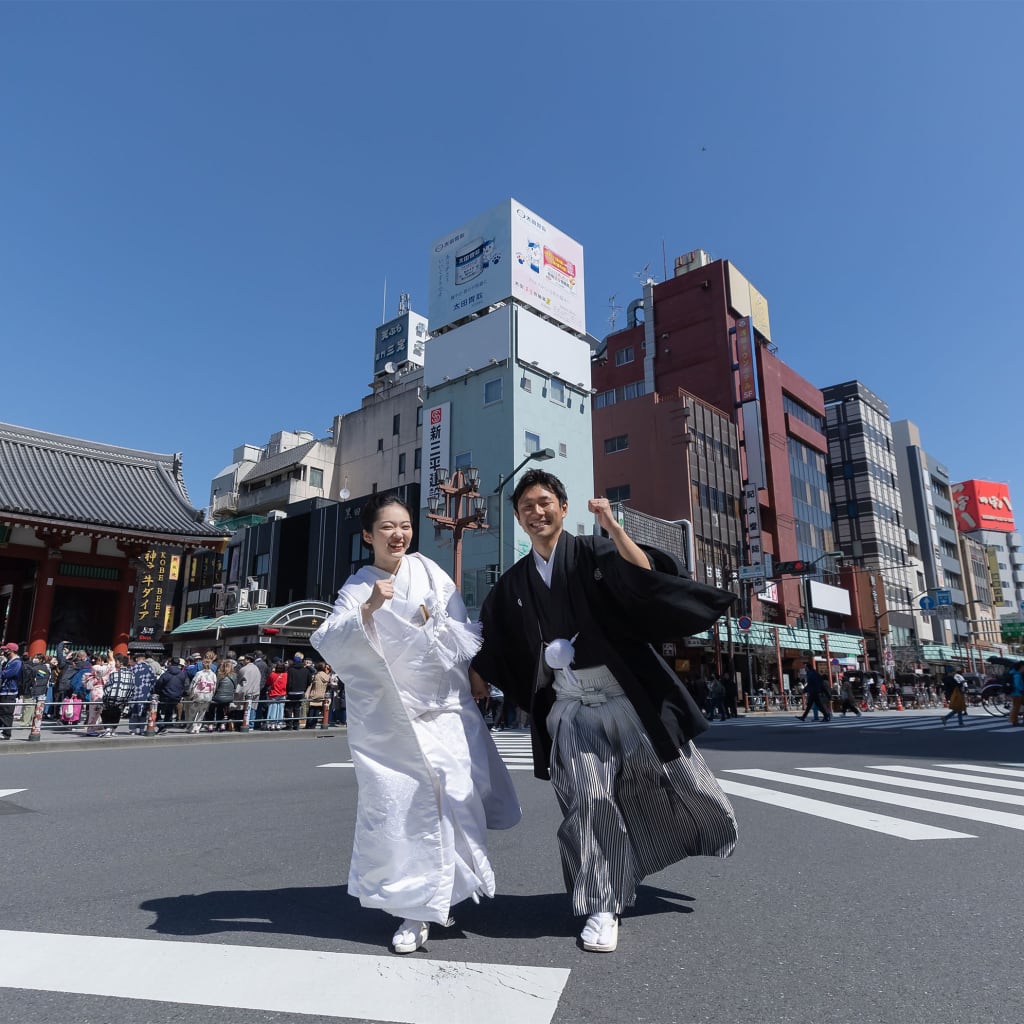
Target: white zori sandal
(601,933)
(412,935)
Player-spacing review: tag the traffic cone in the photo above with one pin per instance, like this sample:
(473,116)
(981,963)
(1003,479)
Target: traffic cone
(899,701)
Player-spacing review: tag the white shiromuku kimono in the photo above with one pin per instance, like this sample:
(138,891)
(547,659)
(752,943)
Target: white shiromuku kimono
(430,779)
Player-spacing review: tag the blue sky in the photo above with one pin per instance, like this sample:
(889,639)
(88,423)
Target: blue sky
(201,202)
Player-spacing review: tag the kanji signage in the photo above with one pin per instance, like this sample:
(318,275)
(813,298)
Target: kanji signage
(154,596)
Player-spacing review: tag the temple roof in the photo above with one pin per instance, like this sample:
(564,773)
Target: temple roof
(51,477)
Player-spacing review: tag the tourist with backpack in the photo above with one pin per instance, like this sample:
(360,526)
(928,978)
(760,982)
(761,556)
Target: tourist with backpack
(145,680)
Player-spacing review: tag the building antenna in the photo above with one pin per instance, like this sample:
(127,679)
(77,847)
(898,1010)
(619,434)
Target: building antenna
(384,306)
(613,312)
(644,273)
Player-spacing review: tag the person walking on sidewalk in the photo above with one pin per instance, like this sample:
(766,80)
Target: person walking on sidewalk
(848,701)
(814,690)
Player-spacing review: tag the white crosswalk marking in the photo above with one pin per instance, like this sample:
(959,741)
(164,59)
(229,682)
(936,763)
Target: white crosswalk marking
(955,810)
(930,773)
(412,990)
(9,792)
(846,815)
(931,787)
(514,748)
(988,771)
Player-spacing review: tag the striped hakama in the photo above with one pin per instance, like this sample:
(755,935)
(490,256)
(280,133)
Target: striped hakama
(626,815)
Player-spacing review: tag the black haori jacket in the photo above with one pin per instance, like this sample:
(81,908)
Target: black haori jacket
(618,610)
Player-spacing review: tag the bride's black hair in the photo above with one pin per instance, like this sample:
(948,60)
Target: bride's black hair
(380,500)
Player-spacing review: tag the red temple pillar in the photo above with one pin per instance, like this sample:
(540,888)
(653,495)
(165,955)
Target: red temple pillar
(42,603)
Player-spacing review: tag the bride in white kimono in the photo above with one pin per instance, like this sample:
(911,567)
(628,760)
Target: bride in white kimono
(430,779)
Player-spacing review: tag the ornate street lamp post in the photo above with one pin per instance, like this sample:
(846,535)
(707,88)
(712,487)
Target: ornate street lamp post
(457,506)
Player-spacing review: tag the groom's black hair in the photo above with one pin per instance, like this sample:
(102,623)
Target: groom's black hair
(539,478)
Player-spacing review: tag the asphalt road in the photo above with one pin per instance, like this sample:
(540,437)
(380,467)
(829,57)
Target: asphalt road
(851,897)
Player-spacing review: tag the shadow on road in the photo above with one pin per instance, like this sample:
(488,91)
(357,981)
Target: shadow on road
(327,912)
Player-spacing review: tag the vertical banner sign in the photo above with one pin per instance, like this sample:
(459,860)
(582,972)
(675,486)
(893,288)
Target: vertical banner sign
(745,358)
(439,428)
(752,523)
(154,601)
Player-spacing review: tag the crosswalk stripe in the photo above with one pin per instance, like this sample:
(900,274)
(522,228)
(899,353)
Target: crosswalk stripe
(515,750)
(898,827)
(1013,772)
(954,810)
(930,773)
(931,787)
(9,792)
(411,990)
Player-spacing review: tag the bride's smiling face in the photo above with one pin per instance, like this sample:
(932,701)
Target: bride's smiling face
(390,538)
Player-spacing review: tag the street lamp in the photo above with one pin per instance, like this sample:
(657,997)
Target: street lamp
(457,505)
(541,455)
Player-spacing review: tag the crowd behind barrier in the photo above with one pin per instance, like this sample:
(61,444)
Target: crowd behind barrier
(99,695)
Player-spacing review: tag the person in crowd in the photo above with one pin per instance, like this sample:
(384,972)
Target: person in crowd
(337,692)
(118,693)
(568,634)
(430,781)
(261,707)
(729,695)
(102,666)
(277,687)
(716,699)
(848,702)
(1016,692)
(816,693)
(224,694)
(316,695)
(10,684)
(36,683)
(299,679)
(170,690)
(145,680)
(200,694)
(250,682)
(954,687)
(495,704)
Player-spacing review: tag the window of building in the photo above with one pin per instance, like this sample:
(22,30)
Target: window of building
(531,442)
(635,390)
(396,424)
(419,415)
(557,392)
(463,460)
(401,463)
(380,444)
(624,355)
(373,488)
(316,477)
(492,391)
(263,565)
(563,450)
(620,493)
(619,443)
(417,459)
(605,398)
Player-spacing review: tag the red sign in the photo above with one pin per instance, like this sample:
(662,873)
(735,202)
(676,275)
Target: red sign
(982,505)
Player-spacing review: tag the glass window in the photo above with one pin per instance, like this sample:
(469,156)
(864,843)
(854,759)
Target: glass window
(401,463)
(616,444)
(396,423)
(557,392)
(492,391)
(603,399)
(531,443)
(463,460)
(634,390)
(624,355)
(316,477)
(417,458)
(620,493)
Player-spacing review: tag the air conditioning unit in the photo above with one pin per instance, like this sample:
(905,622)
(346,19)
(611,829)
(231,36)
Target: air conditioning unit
(243,601)
(261,599)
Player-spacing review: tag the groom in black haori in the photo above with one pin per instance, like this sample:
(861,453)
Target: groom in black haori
(567,633)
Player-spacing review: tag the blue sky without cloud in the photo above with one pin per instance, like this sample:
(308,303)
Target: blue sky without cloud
(202,201)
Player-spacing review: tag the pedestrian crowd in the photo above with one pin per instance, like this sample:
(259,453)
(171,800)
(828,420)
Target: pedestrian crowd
(198,693)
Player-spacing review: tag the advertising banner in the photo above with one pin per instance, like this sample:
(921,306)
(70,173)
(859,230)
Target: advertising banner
(154,595)
(508,252)
(752,523)
(982,505)
(438,419)
(399,341)
(745,358)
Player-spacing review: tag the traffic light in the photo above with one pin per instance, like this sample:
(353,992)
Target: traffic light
(797,568)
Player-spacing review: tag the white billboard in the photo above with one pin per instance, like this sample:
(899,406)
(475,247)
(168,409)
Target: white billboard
(508,252)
